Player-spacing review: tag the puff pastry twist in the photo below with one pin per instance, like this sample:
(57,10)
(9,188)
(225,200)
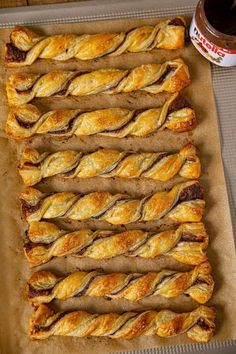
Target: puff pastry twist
(26,46)
(175,115)
(184,202)
(186,244)
(44,286)
(171,76)
(199,325)
(161,166)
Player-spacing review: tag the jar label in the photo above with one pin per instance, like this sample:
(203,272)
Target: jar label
(209,50)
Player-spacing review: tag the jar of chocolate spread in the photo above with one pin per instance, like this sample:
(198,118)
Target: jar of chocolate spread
(213,31)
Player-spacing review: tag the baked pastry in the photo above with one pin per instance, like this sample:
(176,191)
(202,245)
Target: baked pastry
(44,286)
(175,115)
(161,166)
(199,324)
(26,46)
(171,76)
(185,244)
(183,203)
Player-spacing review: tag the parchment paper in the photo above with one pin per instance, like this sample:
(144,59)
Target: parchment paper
(15,310)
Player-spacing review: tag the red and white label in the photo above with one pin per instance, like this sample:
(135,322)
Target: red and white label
(209,50)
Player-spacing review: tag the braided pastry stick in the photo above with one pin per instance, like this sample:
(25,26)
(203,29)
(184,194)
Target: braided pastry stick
(185,244)
(184,202)
(171,76)
(175,115)
(198,283)
(199,324)
(26,46)
(106,163)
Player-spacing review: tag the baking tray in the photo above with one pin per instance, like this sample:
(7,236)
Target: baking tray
(224,83)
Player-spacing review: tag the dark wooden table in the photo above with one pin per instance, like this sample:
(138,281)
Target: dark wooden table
(12,3)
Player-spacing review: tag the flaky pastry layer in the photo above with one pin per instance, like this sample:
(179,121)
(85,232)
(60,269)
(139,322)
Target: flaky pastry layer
(175,115)
(199,325)
(185,244)
(44,286)
(171,76)
(26,46)
(161,166)
(182,203)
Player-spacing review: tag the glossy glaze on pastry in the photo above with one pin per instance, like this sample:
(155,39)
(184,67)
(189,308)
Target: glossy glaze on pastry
(26,46)
(182,203)
(185,244)
(161,166)
(199,325)
(171,76)
(44,286)
(175,115)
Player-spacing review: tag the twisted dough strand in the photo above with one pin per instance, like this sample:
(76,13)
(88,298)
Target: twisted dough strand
(26,46)
(44,286)
(184,202)
(175,115)
(171,76)
(106,163)
(199,325)
(185,244)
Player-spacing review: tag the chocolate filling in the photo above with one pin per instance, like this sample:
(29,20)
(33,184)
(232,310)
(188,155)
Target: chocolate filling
(191,193)
(98,237)
(199,281)
(149,235)
(83,291)
(70,172)
(164,278)
(22,124)
(13,54)
(178,103)
(158,159)
(31,164)
(28,209)
(60,93)
(39,328)
(176,22)
(169,69)
(130,282)
(132,119)
(123,324)
(115,164)
(24,91)
(28,246)
(118,46)
(188,237)
(66,129)
(201,323)
(143,204)
(110,206)
(32,292)
(63,91)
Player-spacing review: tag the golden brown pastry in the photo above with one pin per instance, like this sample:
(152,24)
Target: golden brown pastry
(171,76)
(199,325)
(186,244)
(44,286)
(161,166)
(175,115)
(183,203)
(26,46)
